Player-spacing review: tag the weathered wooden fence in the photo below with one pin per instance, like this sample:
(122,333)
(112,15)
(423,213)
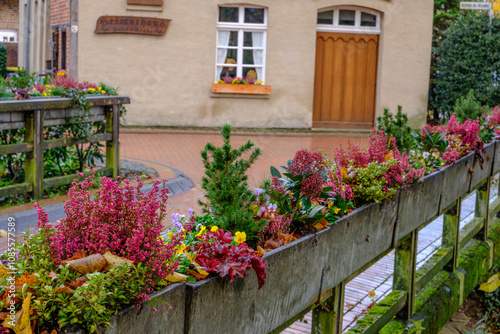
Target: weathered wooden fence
(311,273)
(35,114)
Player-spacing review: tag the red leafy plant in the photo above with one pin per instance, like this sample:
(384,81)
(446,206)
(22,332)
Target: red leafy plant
(119,219)
(218,253)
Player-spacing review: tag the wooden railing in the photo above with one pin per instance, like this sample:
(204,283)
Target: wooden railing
(34,115)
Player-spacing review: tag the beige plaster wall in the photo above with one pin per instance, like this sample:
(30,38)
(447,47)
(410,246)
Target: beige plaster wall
(169,78)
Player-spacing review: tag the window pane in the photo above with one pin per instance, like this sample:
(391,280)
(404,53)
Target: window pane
(252,73)
(347,17)
(254,15)
(227,73)
(248,57)
(255,39)
(368,20)
(231,56)
(325,17)
(227,38)
(228,14)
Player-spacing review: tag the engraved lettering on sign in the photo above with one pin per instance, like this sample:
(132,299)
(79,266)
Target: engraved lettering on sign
(131,25)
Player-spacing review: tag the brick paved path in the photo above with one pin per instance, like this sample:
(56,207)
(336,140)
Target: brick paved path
(181,150)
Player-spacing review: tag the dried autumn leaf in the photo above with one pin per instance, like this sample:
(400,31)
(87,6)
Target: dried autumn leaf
(22,324)
(78,255)
(115,261)
(78,282)
(195,274)
(272,244)
(63,288)
(372,293)
(4,315)
(321,225)
(261,251)
(176,277)
(3,270)
(492,284)
(88,265)
(53,332)
(26,279)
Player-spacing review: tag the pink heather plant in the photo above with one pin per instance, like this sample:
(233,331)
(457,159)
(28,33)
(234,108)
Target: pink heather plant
(306,162)
(494,119)
(431,129)
(122,220)
(339,188)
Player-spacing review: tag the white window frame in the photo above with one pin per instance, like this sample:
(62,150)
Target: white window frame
(242,27)
(356,28)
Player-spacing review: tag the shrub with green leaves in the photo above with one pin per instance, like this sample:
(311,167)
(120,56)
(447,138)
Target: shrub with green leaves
(467,58)
(228,198)
(397,127)
(468,107)
(3,61)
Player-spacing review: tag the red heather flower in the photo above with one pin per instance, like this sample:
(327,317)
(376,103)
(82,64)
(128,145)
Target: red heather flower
(312,185)
(380,146)
(431,129)
(305,162)
(122,220)
(354,154)
(216,254)
(277,226)
(276,185)
(451,155)
(339,188)
(468,132)
(494,119)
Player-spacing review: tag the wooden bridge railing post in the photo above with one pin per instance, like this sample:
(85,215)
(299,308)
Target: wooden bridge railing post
(404,271)
(328,315)
(112,147)
(34,160)
(483,207)
(451,231)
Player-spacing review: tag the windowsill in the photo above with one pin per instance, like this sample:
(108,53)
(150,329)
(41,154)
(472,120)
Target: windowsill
(241,91)
(145,8)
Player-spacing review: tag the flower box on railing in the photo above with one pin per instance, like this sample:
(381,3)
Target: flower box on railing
(296,275)
(418,204)
(133,320)
(496,159)
(456,180)
(482,171)
(241,89)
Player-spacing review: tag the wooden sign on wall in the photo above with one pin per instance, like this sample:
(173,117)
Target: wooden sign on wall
(145,2)
(131,25)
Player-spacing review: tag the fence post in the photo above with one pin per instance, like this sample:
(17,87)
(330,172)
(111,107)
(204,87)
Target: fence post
(34,160)
(327,316)
(113,147)
(451,231)
(483,207)
(404,271)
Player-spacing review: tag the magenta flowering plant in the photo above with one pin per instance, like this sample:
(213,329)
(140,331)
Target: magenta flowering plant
(119,219)
(377,173)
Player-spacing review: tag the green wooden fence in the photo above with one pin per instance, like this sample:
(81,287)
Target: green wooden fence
(34,115)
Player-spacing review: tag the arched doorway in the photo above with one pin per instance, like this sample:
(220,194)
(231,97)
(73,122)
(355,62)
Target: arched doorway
(346,68)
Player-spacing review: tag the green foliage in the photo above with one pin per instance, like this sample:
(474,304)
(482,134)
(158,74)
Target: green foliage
(397,127)
(228,198)
(431,141)
(466,58)
(492,306)
(468,107)
(370,183)
(3,61)
(415,327)
(90,305)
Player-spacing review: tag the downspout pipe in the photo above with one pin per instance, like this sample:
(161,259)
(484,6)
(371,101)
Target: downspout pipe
(28,19)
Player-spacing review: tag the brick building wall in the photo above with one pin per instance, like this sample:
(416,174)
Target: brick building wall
(59,23)
(9,15)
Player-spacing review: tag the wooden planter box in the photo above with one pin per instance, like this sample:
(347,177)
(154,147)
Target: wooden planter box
(456,180)
(241,89)
(496,160)
(481,174)
(132,320)
(418,204)
(296,273)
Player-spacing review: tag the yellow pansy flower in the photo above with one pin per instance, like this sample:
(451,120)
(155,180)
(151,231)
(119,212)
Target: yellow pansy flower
(170,235)
(103,92)
(214,229)
(181,248)
(202,230)
(240,237)
(161,238)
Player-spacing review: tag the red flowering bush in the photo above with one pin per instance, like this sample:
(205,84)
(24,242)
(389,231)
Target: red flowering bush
(122,220)
(376,173)
(217,253)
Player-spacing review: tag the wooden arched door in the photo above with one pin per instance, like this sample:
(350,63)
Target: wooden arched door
(345,80)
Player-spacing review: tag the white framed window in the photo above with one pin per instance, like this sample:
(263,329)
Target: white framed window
(349,20)
(241,43)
